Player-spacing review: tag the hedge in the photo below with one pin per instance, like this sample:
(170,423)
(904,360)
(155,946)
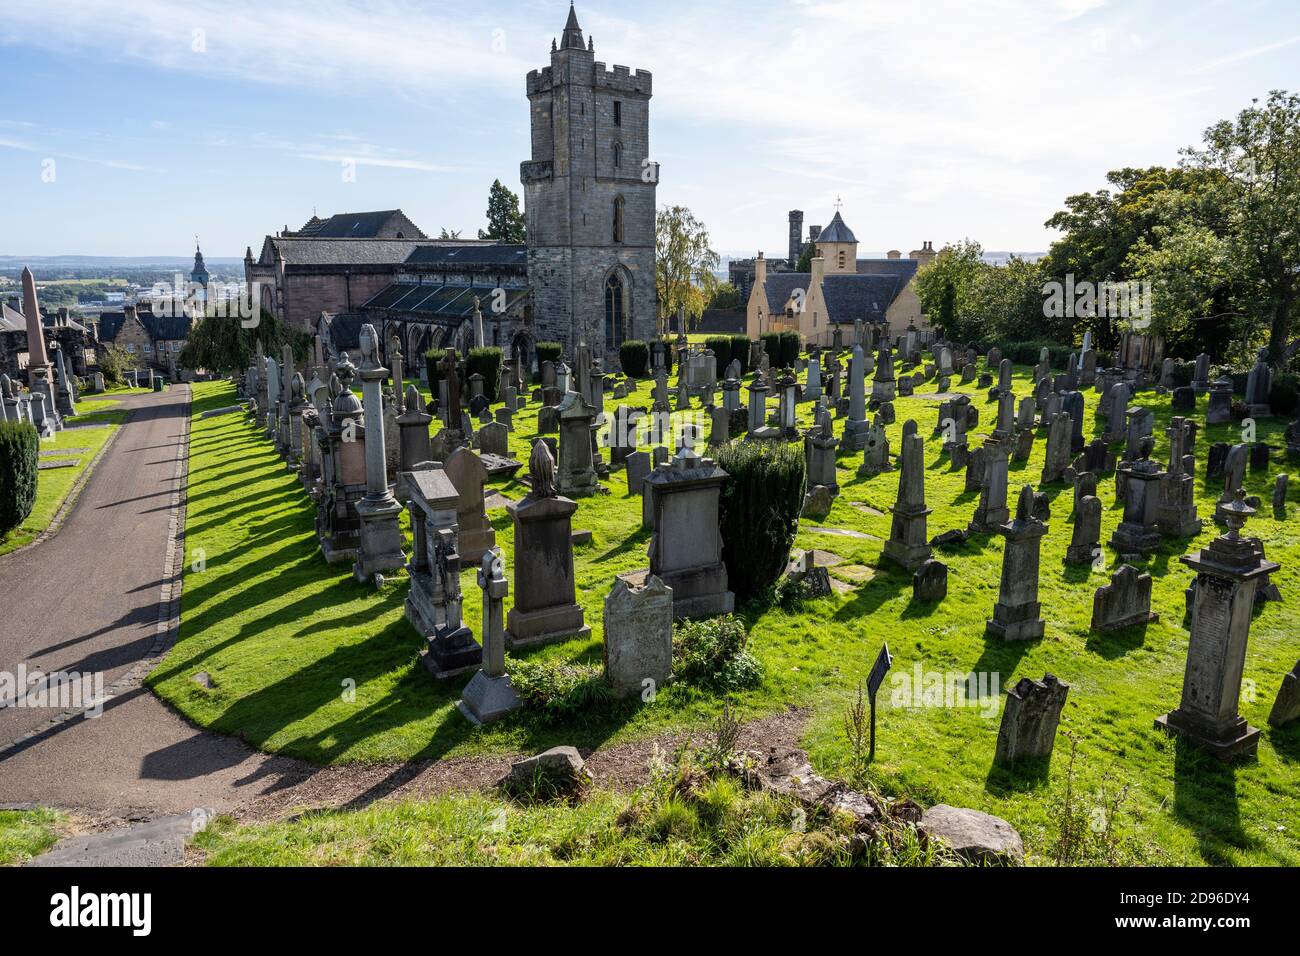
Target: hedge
(720,345)
(634,358)
(19,465)
(549,352)
(486,361)
(772,346)
(740,351)
(759,511)
(432,370)
(789,348)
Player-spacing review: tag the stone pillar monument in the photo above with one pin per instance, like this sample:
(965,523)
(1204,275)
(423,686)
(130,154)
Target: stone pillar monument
(1016,614)
(1227,574)
(380,547)
(908,544)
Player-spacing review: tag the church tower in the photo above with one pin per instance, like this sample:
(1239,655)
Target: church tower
(199,274)
(589,199)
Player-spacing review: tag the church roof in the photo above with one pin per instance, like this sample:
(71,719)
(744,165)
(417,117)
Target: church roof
(571,38)
(902,268)
(478,253)
(302,251)
(435,301)
(837,231)
(352,225)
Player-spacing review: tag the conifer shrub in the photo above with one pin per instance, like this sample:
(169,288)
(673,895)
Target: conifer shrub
(486,361)
(740,351)
(549,352)
(19,464)
(634,358)
(759,511)
(720,345)
(789,348)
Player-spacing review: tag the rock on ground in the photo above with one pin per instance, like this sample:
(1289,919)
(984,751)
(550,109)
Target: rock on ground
(975,836)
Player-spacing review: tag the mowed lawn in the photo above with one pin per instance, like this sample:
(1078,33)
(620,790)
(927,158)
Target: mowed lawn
(309,663)
(100,414)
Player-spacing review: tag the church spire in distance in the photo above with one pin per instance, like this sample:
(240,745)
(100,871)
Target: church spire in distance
(571,39)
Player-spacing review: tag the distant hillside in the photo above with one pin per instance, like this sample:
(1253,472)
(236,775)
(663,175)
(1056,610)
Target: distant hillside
(111,262)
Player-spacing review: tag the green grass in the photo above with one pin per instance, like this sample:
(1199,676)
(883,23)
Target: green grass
(282,634)
(54,484)
(27,833)
(681,818)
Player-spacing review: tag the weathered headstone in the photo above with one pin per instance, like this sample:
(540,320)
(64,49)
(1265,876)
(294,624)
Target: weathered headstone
(1124,602)
(489,695)
(1085,540)
(1016,614)
(638,637)
(1286,708)
(1029,720)
(930,582)
(908,545)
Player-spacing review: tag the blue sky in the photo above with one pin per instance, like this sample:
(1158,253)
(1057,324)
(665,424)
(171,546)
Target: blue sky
(933,120)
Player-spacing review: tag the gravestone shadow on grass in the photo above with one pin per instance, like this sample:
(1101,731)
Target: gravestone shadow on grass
(1205,801)
(1286,741)
(1029,773)
(1113,645)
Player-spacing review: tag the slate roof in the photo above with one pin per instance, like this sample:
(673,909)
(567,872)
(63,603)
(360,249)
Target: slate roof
(848,297)
(904,269)
(158,326)
(837,231)
(351,225)
(300,251)
(11,320)
(486,253)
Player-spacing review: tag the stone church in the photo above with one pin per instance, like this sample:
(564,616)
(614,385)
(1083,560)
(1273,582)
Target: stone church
(585,273)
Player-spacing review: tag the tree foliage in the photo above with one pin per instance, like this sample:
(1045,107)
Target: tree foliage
(221,344)
(684,263)
(505,221)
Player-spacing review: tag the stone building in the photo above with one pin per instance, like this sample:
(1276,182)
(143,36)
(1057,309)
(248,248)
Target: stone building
(840,290)
(589,199)
(152,340)
(586,272)
(75,339)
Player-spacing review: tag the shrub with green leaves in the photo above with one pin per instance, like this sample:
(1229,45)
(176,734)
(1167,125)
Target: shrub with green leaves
(712,653)
(486,361)
(432,369)
(557,690)
(668,353)
(549,352)
(740,351)
(759,511)
(634,358)
(772,346)
(720,346)
(789,348)
(19,466)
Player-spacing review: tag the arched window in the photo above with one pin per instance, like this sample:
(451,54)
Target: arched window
(618,219)
(618,155)
(615,311)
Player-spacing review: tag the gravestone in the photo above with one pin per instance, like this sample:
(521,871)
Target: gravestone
(545,609)
(883,384)
(875,451)
(686,546)
(1258,385)
(992,512)
(489,695)
(820,446)
(494,439)
(413,432)
(930,582)
(1279,496)
(1124,602)
(576,474)
(1058,449)
(975,468)
(908,545)
(1183,399)
(1286,708)
(1227,574)
(638,467)
(1176,515)
(433,599)
(1138,531)
(468,475)
(1201,374)
(638,636)
(1085,541)
(1016,614)
(1219,409)
(855,426)
(1029,720)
